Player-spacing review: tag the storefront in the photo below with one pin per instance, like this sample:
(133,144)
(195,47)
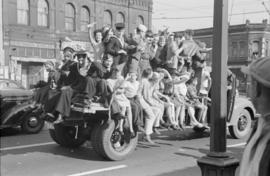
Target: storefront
(28,71)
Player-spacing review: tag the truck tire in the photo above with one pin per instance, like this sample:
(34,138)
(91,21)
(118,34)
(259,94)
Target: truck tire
(115,146)
(65,136)
(32,123)
(53,135)
(96,139)
(243,126)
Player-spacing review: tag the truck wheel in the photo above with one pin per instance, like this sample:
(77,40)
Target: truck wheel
(53,135)
(115,146)
(96,139)
(32,123)
(243,126)
(65,136)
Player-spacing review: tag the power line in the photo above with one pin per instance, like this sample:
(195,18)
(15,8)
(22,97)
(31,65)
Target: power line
(198,17)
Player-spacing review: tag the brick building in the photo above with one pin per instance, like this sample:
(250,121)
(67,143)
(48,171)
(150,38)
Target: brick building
(33,29)
(246,42)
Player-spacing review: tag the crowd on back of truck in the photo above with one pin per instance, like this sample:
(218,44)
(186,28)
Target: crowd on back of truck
(152,80)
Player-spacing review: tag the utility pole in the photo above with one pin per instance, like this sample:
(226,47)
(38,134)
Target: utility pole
(2,56)
(266,9)
(218,162)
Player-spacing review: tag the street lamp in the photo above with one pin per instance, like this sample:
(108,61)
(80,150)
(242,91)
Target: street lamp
(218,162)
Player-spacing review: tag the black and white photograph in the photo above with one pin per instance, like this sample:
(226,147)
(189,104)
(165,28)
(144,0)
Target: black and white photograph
(135,87)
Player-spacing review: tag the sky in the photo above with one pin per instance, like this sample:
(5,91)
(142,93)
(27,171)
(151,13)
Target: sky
(196,14)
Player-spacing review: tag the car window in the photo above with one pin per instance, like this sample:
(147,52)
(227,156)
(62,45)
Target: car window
(13,85)
(8,85)
(3,85)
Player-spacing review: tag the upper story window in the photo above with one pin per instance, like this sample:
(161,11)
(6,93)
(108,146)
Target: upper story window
(120,18)
(267,48)
(140,20)
(23,12)
(242,48)
(234,49)
(85,18)
(107,19)
(43,13)
(69,17)
(255,49)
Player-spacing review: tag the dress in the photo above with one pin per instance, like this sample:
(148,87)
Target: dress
(119,95)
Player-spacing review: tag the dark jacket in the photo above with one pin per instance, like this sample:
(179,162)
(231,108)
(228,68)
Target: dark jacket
(97,70)
(113,47)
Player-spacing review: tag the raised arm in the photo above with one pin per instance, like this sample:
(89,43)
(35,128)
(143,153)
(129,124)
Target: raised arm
(91,37)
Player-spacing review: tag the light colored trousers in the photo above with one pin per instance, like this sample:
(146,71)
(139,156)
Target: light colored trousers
(152,114)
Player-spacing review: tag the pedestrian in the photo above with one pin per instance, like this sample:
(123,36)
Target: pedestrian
(256,157)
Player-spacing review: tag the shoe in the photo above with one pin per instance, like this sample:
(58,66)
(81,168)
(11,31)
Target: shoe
(58,120)
(165,125)
(156,131)
(141,129)
(50,125)
(181,127)
(174,127)
(49,117)
(148,139)
(133,134)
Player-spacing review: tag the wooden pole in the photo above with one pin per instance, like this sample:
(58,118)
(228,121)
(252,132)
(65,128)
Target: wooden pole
(218,162)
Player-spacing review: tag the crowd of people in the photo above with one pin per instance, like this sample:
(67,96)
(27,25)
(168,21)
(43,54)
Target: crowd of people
(149,80)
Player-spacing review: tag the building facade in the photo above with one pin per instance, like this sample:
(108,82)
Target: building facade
(34,29)
(246,42)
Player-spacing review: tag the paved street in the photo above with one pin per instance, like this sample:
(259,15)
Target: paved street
(176,154)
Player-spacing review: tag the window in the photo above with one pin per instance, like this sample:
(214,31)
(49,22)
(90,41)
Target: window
(69,17)
(23,12)
(267,48)
(242,48)
(85,18)
(43,13)
(107,19)
(256,48)
(120,18)
(140,20)
(234,49)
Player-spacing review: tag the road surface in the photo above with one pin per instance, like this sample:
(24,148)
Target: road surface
(176,154)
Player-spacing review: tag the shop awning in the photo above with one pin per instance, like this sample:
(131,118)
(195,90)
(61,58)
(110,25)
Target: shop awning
(31,59)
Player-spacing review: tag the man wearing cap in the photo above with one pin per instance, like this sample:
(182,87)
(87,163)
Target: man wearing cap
(256,157)
(149,52)
(75,83)
(116,45)
(138,40)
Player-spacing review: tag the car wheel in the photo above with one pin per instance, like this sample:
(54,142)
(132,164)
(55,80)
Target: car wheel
(66,136)
(243,125)
(32,123)
(114,145)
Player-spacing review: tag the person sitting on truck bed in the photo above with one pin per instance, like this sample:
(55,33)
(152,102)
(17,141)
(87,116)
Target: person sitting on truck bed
(77,84)
(100,73)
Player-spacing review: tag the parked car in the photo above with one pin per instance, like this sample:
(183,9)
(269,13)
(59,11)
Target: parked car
(240,122)
(17,108)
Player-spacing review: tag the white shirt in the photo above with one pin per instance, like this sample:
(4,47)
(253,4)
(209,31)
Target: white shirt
(181,89)
(204,82)
(131,89)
